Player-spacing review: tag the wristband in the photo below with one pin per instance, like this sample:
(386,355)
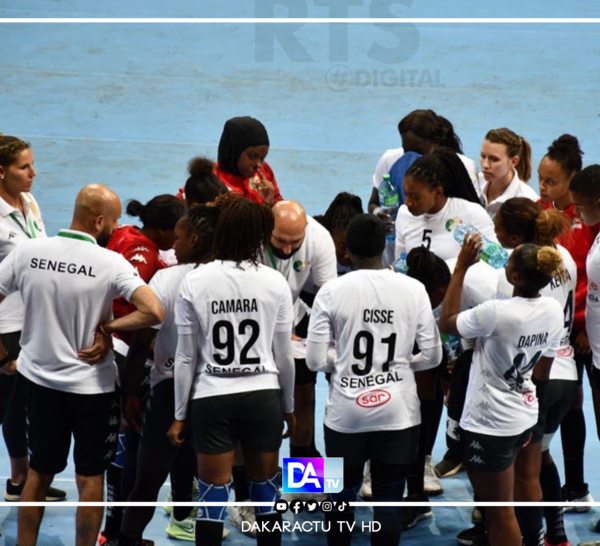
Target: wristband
(103,331)
(5,360)
(377,210)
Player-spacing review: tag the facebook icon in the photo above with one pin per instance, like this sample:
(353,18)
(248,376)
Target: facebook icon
(313,475)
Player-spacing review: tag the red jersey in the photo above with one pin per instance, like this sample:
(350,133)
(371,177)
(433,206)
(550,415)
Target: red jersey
(140,252)
(245,186)
(577,238)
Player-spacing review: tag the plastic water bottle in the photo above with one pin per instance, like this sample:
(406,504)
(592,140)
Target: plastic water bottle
(389,201)
(453,346)
(490,252)
(400,265)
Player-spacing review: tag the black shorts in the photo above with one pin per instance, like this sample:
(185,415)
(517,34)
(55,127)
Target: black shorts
(254,418)
(53,416)
(159,414)
(488,453)
(581,360)
(387,446)
(557,403)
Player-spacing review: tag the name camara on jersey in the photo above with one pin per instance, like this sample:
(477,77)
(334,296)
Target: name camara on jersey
(234,306)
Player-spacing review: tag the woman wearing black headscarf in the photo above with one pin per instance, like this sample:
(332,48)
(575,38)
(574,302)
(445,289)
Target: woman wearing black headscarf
(243,147)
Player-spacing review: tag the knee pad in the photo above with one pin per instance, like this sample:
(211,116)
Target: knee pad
(207,492)
(267,491)
(348,494)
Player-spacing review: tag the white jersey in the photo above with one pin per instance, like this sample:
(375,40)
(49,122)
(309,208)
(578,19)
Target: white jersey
(14,229)
(375,317)
(68,284)
(235,310)
(429,230)
(511,337)
(563,366)
(481,283)
(517,188)
(166,283)
(592,309)
(315,256)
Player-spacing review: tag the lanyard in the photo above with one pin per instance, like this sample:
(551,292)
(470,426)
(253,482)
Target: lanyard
(29,227)
(80,236)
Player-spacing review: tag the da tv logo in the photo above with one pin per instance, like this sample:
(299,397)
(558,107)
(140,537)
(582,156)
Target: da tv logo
(313,475)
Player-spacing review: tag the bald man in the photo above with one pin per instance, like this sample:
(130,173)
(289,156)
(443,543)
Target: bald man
(67,283)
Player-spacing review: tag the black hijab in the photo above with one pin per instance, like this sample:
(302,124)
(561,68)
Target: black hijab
(239,134)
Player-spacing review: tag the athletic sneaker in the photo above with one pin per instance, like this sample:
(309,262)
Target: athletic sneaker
(449,465)
(564,543)
(431,483)
(577,496)
(411,515)
(13,493)
(168,508)
(476,536)
(239,514)
(476,515)
(103,541)
(366,490)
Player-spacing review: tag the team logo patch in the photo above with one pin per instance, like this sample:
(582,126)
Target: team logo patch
(529,398)
(298,265)
(141,249)
(593,286)
(138,258)
(373,399)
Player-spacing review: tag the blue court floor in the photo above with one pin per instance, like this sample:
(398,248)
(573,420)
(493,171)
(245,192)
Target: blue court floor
(128,105)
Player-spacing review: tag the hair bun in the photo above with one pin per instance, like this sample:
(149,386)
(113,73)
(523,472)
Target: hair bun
(200,167)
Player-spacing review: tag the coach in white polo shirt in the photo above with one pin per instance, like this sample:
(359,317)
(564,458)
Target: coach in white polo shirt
(68,283)
(301,247)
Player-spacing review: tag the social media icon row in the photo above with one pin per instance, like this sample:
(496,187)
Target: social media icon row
(311,506)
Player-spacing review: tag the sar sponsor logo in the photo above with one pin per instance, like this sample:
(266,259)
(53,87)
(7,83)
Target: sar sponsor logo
(593,285)
(565,352)
(374,398)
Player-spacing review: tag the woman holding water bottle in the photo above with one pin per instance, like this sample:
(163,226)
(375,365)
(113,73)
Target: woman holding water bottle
(241,166)
(437,189)
(517,340)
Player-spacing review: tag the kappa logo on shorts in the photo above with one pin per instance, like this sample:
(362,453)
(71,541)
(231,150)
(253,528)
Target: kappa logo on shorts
(476,445)
(476,459)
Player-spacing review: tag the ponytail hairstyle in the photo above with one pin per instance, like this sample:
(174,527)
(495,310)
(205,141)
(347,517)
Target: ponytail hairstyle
(342,209)
(515,146)
(587,183)
(203,185)
(566,152)
(243,229)
(537,265)
(10,148)
(201,221)
(161,212)
(522,217)
(451,139)
(430,126)
(444,168)
(428,268)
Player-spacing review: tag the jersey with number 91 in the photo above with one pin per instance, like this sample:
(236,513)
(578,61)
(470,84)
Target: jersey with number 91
(375,316)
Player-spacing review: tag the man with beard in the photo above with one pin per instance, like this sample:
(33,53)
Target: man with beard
(68,283)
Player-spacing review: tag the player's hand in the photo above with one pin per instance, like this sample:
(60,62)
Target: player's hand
(98,351)
(290,420)
(176,433)
(10,368)
(468,254)
(386,218)
(133,412)
(265,188)
(581,344)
